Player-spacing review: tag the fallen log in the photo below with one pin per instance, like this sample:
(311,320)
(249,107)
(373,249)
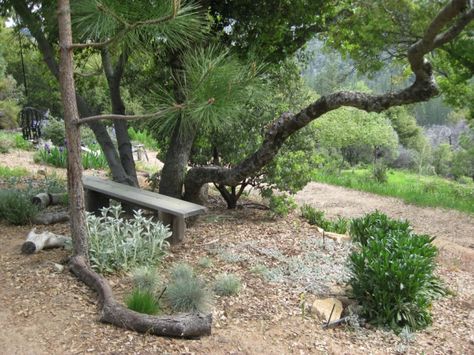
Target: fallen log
(44,199)
(51,217)
(38,241)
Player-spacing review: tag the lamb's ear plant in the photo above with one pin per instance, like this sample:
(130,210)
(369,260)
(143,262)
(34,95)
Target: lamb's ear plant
(118,244)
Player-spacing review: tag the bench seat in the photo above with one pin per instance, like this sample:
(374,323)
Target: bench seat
(171,211)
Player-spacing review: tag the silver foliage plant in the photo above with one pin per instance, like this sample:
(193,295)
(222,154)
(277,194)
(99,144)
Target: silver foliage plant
(118,244)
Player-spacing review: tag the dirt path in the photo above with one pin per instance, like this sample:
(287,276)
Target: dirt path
(454,230)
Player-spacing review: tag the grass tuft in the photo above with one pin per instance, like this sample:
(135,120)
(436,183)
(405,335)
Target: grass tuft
(227,285)
(142,302)
(186,292)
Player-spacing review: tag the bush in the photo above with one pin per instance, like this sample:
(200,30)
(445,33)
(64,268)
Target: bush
(10,140)
(227,285)
(186,292)
(281,205)
(143,137)
(55,131)
(142,302)
(16,207)
(117,244)
(316,217)
(392,274)
(375,225)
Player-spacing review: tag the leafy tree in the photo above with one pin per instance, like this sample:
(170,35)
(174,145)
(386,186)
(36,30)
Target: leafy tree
(463,159)
(409,133)
(442,159)
(351,131)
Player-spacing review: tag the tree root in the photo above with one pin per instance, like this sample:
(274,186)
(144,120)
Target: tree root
(182,326)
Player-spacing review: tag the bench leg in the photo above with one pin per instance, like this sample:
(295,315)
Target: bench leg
(177,225)
(95,201)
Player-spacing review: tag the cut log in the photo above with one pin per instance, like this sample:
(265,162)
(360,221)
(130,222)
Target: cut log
(45,199)
(36,242)
(51,217)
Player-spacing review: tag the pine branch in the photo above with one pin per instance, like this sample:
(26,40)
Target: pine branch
(127,27)
(121,117)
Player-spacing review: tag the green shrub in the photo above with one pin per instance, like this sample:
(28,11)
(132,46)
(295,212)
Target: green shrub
(376,225)
(142,302)
(16,207)
(117,244)
(20,143)
(55,132)
(143,137)
(281,205)
(227,285)
(186,292)
(55,156)
(341,225)
(316,217)
(146,279)
(392,275)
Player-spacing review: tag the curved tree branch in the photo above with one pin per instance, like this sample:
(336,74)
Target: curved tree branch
(423,88)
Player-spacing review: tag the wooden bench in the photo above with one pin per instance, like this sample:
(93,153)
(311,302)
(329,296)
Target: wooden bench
(171,211)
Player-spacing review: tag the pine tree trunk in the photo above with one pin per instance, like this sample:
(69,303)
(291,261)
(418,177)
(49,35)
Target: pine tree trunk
(176,163)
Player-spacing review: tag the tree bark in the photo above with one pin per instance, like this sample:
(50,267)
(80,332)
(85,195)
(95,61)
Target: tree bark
(114,77)
(188,325)
(176,163)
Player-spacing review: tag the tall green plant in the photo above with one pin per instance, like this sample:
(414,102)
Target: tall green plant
(393,273)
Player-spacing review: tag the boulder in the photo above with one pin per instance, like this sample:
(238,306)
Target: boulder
(322,308)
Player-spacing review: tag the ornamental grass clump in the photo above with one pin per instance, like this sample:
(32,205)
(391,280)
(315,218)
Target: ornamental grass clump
(142,302)
(119,244)
(146,279)
(227,285)
(186,292)
(393,273)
